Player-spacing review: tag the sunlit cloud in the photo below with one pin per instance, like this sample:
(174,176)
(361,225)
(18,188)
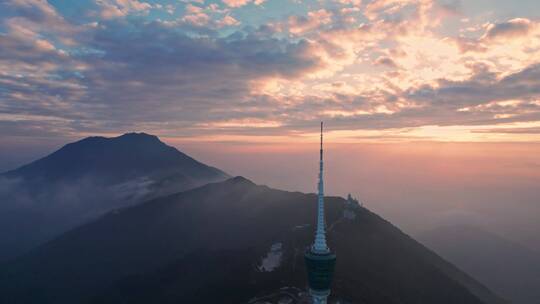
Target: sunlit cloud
(120,8)
(394,69)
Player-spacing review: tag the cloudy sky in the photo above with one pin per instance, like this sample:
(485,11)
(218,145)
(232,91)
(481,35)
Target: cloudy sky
(256,70)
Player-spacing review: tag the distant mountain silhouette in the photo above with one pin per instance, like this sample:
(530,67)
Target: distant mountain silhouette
(229,242)
(508,268)
(86,179)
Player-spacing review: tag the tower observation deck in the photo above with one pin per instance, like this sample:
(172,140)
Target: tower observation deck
(320,261)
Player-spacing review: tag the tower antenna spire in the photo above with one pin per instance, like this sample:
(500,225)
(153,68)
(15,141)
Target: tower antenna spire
(319,259)
(321,138)
(320,236)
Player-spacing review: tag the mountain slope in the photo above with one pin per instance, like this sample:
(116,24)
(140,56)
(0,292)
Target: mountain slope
(509,269)
(86,179)
(117,159)
(227,243)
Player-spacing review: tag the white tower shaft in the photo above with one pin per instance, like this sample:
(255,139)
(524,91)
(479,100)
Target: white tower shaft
(320,236)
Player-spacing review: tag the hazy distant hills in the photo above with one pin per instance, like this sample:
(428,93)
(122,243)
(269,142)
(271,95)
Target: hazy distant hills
(508,268)
(229,242)
(88,178)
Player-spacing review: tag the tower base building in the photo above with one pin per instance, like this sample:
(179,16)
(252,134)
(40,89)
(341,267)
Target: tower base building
(320,268)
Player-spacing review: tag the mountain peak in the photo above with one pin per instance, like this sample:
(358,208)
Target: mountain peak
(137,135)
(116,159)
(126,138)
(240,180)
(90,177)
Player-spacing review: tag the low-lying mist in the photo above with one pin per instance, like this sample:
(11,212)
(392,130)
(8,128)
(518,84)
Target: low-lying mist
(417,186)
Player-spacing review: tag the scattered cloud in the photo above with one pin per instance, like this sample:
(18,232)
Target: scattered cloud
(511,28)
(386,61)
(202,69)
(120,8)
(236,3)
